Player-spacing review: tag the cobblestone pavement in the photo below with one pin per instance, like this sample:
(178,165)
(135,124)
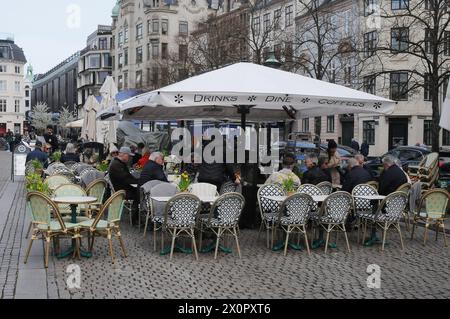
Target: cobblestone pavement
(418,272)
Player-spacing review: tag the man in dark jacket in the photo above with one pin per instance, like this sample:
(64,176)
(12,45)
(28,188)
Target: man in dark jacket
(355,176)
(51,139)
(392,176)
(314,175)
(153,170)
(38,154)
(122,179)
(365,149)
(355,145)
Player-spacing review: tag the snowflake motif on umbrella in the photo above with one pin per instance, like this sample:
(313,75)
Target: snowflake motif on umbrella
(252,98)
(306,100)
(377,105)
(179,99)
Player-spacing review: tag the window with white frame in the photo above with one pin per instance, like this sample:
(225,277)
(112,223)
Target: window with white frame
(2,105)
(125,35)
(330,124)
(369,132)
(277,19)
(305,125)
(3,85)
(17,86)
(3,68)
(266,23)
(17,69)
(139,31)
(289,13)
(17,106)
(164,26)
(183,28)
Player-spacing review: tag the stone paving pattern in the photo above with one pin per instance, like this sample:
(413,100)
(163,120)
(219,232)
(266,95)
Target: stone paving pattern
(418,272)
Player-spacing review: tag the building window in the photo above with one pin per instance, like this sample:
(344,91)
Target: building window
(139,30)
(399,39)
(369,132)
(155,26)
(103,43)
(138,79)
(164,51)
(256,25)
(183,28)
(399,4)
(107,60)
(266,23)
(446,42)
(125,80)
(94,61)
(369,84)
(138,55)
(16,128)
(17,86)
(289,51)
(427,140)
(428,41)
(155,50)
(27,93)
(120,60)
(149,51)
(182,52)
(277,19)
(370,43)
(120,83)
(17,106)
(427,87)
(369,7)
(120,38)
(125,35)
(125,55)
(330,124)
(3,86)
(164,76)
(27,103)
(317,125)
(348,75)
(305,125)
(2,68)
(288,15)
(445,137)
(164,26)
(155,76)
(2,105)
(277,51)
(399,86)
(17,69)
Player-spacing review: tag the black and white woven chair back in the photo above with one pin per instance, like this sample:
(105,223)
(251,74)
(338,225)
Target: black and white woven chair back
(361,204)
(394,205)
(325,187)
(228,187)
(55,167)
(337,207)
(70,164)
(311,190)
(80,168)
(183,209)
(229,209)
(64,172)
(296,209)
(88,176)
(269,206)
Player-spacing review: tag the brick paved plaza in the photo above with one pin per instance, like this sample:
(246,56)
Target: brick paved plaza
(418,272)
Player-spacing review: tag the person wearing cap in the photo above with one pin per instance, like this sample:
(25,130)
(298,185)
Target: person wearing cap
(122,179)
(38,154)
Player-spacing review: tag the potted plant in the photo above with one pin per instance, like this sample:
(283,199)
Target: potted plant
(56,156)
(184,182)
(36,184)
(289,186)
(37,166)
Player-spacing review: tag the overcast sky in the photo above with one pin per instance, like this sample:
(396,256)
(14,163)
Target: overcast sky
(50,31)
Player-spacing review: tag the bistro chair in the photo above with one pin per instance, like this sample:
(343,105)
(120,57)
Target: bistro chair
(224,218)
(180,217)
(325,187)
(294,215)
(269,209)
(81,167)
(229,187)
(70,164)
(109,226)
(334,212)
(128,205)
(44,226)
(71,190)
(405,188)
(62,170)
(311,190)
(374,184)
(145,201)
(56,180)
(426,168)
(96,189)
(363,207)
(87,176)
(56,166)
(157,209)
(432,209)
(389,213)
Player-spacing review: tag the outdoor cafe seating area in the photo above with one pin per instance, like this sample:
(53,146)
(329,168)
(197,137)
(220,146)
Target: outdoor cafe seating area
(81,205)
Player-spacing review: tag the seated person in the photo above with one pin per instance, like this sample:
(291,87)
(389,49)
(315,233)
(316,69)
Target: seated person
(323,165)
(356,175)
(153,170)
(314,175)
(70,155)
(392,176)
(289,162)
(38,154)
(122,179)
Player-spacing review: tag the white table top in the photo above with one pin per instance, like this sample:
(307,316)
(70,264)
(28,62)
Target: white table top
(318,198)
(165,199)
(74,199)
(370,197)
(134,185)
(337,186)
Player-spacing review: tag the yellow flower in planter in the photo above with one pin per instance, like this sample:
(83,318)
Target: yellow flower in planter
(185,182)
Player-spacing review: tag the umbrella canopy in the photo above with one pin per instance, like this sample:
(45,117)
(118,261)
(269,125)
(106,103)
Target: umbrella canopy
(268,91)
(75,124)
(91,107)
(107,132)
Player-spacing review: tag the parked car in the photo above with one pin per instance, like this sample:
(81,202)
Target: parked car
(444,169)
(408,155)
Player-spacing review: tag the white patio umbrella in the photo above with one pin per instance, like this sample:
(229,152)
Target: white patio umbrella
(108,130)
(89,130)
(75,124)
(262,92)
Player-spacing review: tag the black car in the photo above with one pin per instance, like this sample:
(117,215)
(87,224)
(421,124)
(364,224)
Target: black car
(408,155)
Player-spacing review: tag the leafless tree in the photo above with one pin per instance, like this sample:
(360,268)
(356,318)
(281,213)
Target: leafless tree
(41,116)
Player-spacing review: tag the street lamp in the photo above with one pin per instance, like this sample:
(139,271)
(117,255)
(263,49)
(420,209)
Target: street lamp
(272,61)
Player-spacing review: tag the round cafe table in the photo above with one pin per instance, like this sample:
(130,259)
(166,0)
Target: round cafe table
(74,201)
(203,199)
(280,199)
